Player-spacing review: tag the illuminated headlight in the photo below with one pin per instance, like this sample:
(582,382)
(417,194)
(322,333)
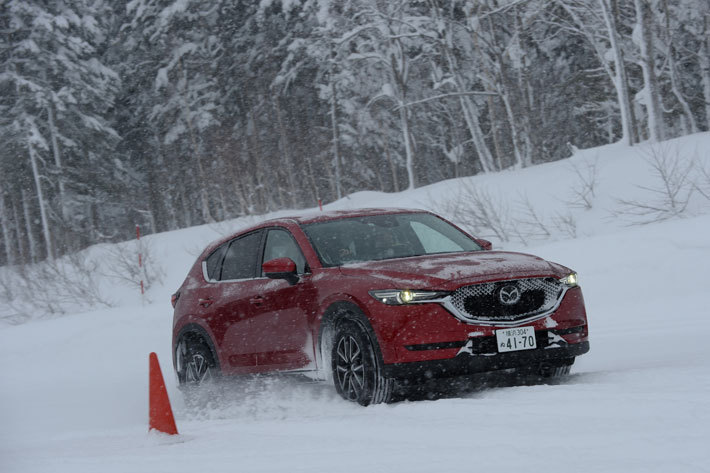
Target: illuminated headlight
(405,296)
(570,280)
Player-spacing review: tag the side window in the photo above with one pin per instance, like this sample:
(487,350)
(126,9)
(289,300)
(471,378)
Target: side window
(240,259)
(214,262)
(280,244)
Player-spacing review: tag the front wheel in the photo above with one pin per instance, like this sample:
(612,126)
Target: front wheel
(558,370)
(357,370)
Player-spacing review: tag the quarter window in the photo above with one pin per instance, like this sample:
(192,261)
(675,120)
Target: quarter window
(214,262)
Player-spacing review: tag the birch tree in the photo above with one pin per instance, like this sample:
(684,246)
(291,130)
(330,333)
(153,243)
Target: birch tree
(60,91)
(383,41)
(445,35)
(643,38)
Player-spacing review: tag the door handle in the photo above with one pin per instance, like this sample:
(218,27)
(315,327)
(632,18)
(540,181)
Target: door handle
(258,300)
(205,302)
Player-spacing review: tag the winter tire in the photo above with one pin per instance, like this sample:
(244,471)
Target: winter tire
(557,371)
(357,369)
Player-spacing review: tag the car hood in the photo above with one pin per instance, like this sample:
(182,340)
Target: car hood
(449,271)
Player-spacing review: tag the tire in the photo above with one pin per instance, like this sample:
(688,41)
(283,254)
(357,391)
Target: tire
(557,371)
(357,368)
(561,371)
(195,365)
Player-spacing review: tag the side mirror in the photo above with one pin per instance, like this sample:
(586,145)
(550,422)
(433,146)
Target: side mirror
(485,244)
(281,268)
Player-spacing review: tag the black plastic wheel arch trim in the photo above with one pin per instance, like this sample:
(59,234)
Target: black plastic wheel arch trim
(194,328)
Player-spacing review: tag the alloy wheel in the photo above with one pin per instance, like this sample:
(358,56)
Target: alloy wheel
(349,368)
(197,369)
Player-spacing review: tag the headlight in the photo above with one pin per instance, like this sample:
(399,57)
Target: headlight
(570,280)
(405,296)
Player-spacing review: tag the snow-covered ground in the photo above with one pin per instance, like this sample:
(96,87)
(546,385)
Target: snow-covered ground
(74,390)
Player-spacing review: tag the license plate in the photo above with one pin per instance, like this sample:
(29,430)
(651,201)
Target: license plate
(516,339)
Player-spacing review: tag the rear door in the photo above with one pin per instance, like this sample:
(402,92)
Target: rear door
(233,310)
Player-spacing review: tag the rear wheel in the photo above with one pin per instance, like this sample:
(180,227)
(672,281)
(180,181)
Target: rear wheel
(194,363)
(357,370)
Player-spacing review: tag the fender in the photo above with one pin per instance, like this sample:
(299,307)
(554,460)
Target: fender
(346,310)
(202,333)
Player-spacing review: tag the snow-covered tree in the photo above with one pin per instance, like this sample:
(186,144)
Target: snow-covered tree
(57,93)
(171,113)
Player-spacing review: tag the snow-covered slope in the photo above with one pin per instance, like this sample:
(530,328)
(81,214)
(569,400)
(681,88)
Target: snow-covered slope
(73,395)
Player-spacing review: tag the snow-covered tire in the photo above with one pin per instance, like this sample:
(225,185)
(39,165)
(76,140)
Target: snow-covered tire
(357,369)
(561,371)
(557,371)
(195,365)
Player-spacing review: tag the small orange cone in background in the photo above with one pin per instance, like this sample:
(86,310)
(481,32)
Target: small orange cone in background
(160,413)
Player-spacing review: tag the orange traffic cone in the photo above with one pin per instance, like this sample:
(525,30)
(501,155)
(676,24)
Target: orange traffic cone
(161,414)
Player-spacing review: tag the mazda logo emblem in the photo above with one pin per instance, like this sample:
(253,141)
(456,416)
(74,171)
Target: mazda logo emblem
(509,295)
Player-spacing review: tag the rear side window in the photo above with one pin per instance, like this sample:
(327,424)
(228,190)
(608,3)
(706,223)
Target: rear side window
(240,259)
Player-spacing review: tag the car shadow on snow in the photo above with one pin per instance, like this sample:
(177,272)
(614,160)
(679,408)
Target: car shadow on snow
(470,386)
(280,396)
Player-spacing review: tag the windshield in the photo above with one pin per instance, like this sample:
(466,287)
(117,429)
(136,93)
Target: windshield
(381,237)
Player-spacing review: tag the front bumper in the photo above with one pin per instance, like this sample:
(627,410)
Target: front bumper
(428,332)
(468,362)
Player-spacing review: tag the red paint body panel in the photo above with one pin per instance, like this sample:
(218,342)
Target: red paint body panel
(262,324)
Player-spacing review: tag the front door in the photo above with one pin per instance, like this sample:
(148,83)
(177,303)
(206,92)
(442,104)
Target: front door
(280,322)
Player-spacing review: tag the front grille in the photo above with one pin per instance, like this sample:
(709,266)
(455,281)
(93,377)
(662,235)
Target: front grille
(483,301)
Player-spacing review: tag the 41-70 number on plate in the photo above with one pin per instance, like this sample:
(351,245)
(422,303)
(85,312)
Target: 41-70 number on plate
(516,339)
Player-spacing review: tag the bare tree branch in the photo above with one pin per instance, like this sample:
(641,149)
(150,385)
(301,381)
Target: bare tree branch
(672,191)
(443,96)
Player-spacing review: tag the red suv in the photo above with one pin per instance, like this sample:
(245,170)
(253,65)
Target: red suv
(367,297)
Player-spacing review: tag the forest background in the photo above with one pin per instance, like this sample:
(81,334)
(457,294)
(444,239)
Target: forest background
(170,114)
